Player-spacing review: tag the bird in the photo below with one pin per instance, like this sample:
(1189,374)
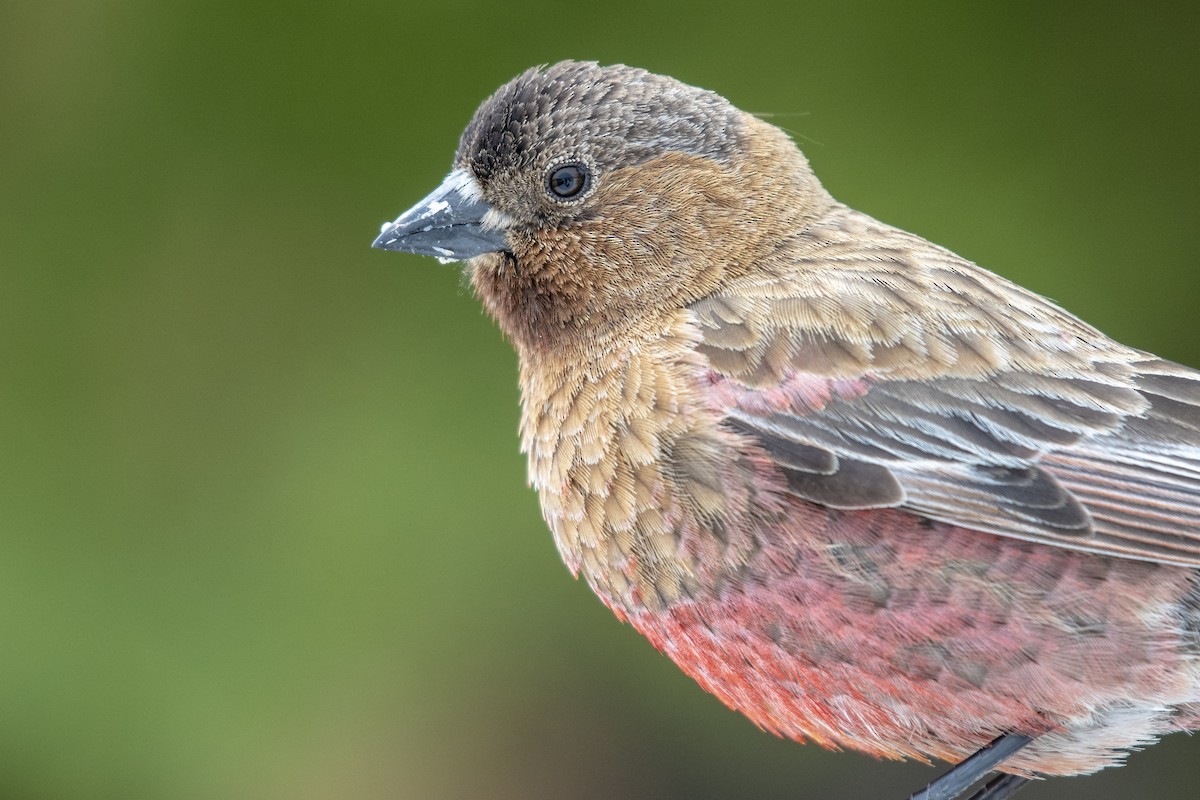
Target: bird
(866,492)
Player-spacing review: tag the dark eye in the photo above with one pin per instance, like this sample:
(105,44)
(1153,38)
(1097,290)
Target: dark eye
(567,181)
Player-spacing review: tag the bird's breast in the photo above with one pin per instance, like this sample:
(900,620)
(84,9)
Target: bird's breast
(647,494)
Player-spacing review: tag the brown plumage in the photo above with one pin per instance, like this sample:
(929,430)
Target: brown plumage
(863,490)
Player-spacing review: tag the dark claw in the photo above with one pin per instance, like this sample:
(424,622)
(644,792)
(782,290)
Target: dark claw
(1000,787)
(959,779)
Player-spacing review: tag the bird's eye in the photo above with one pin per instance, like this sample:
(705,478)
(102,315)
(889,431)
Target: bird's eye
(567,181)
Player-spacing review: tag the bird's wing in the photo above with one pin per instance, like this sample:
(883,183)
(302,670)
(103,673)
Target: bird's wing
(904,376)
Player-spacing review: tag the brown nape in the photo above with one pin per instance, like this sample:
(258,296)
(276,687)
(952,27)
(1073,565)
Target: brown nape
(663,234)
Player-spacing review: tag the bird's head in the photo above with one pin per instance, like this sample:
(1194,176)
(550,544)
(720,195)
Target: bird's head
(586,198)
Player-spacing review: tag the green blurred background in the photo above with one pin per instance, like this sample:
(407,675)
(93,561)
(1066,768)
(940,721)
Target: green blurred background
(264,529)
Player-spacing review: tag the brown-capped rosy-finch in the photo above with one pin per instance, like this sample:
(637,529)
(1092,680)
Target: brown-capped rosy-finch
(866,492)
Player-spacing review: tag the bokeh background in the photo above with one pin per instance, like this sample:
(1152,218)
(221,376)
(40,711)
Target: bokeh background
(264,529)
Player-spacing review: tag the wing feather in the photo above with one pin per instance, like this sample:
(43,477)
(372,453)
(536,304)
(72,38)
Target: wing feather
(908,377)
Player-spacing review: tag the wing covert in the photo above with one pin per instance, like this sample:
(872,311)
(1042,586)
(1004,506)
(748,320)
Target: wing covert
(907,377)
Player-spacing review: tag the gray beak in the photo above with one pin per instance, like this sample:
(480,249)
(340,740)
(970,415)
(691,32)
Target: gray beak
(451,223)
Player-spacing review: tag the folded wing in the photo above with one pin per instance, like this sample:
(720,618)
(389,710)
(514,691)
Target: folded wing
(907,377)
